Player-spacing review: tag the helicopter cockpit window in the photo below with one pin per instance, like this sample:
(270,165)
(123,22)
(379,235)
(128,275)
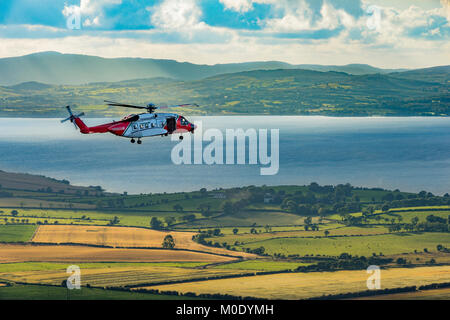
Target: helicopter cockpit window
(183,121)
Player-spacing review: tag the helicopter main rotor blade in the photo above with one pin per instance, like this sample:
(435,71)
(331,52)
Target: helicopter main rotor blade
(117,104)
(179,105)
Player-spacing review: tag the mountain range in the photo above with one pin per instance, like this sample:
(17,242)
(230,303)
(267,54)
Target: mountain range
(72,69)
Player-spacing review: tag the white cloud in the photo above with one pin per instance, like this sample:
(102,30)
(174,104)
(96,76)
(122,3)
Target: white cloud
(300,17)
(446,6)
(176,14)
(243,6)
(408,54)
(91,11)
(238,5)
(181,34)
(395,26)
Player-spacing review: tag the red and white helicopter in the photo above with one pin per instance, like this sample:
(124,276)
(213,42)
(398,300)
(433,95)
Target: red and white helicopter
(138,126)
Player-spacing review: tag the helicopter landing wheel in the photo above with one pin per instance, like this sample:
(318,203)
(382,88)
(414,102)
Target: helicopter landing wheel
(139,142)
(181,137)
(132,141)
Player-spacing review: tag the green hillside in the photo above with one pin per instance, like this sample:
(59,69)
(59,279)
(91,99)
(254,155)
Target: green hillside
(283,92)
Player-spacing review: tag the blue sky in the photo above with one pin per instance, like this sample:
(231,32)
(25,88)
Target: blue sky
(385,33)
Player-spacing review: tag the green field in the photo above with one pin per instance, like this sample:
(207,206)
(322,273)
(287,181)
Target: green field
(16,233)
(361,245)
(298,224)
(246,239)
(37,292)
(91,217)
(262,265)
(49,266)
(409,215)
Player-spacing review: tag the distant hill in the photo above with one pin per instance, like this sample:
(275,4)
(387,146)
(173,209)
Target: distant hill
(30,86)
(280,91)
(439,74)
(355,69)
(30,182)
(56,68)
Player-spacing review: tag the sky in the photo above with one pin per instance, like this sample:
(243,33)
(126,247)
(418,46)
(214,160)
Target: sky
(382,33)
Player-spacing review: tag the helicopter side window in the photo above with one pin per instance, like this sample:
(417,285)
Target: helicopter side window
(142,126)
(146,125)
(135,127)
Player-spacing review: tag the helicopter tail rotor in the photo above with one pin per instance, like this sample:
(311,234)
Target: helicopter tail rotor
(72,117)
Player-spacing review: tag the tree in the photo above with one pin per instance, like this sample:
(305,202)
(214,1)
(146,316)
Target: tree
(308,220)
(188,217)
(178,208)
(169,220)
(205,209)
(168,242)
(228,208)
(14,213)
(114,221)
(155,223)
(326,233)
(235,230)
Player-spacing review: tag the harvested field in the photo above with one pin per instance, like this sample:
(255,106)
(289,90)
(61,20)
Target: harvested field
(315,284)
(122,237)
(121,276)
(79,254)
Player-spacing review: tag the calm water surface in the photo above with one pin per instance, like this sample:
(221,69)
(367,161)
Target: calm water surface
(411,154)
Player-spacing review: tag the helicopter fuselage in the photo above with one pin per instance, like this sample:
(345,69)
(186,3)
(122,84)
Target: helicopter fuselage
(141,125)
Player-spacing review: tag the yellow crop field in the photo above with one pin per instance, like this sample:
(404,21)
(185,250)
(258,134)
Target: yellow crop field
(118,276)
(79,254)
(125,237)
(315,284)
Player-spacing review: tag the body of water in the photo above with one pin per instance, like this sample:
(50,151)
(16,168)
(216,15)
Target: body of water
(410,154)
